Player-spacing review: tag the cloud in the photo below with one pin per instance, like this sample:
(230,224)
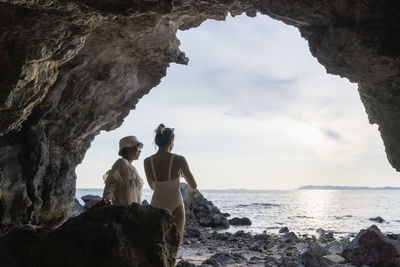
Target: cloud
(254,101)
(331,134)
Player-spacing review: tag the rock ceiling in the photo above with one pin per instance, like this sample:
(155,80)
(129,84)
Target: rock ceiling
(70,68)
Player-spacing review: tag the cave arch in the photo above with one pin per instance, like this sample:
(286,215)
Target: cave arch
(242,102)
(60,84)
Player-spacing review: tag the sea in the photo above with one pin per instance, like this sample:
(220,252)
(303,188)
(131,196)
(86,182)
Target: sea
(344,212)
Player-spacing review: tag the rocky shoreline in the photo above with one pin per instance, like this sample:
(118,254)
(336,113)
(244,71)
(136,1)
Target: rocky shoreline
(205,247)
(206,243)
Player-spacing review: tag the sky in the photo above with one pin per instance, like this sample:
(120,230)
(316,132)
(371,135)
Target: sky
(253,110)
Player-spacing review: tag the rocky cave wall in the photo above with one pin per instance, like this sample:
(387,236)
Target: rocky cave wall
(69,69)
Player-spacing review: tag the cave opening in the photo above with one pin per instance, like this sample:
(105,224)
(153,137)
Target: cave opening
(249,113)
(253,98)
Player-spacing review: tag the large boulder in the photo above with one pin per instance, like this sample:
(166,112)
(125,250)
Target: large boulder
(104,236)
(373,248)
(200,211)
(73,68)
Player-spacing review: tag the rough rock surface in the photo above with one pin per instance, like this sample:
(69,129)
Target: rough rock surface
(284,230)
(104,236)
(184,263)
(224,258)
(240,221)
(69,69)
(90,200)
(314,257)
(200,211)
(373,248)
(212,248)
(77,208)
(333,259)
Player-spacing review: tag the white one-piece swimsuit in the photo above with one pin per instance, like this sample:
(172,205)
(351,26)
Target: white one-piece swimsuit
(167,193)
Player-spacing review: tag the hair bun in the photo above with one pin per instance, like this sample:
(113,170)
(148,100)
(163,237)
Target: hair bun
(164,135)
(160,129)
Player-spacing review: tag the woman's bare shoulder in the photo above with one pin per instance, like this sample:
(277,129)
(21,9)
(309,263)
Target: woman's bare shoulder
(179,158)
(146,161)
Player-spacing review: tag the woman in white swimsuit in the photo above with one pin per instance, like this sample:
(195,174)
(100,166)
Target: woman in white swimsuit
(163,172)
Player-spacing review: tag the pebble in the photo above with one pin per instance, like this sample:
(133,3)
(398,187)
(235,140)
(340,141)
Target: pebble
(333,259)
(377,219)
(284,230)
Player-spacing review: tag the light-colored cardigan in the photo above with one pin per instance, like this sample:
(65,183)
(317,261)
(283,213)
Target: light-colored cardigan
(123,185)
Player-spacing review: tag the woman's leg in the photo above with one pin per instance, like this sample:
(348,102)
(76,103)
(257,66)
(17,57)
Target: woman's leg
(179,214)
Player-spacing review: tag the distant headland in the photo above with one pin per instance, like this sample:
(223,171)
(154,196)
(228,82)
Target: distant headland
(330,187)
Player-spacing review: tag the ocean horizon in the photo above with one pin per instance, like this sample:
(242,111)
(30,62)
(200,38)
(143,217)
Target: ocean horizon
(344,212)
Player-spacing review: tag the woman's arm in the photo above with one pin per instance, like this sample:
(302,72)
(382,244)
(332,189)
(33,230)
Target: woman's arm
(112,179)
(148,173)
(187,174)
(109,188)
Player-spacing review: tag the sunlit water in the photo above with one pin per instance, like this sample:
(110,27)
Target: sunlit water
(303,211)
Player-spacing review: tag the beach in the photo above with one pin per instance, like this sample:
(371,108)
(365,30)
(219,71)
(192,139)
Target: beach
(282,232)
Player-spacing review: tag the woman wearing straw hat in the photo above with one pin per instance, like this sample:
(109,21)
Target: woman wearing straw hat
(123,182)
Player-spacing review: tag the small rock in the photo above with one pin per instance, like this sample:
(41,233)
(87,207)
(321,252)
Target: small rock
(90,200)
(145,202)
(394,236)
(325,236)
(240,221)
(333,259)
(377,219)
(242,234)
(238,233)
(313,257)
(210,262)
(329,235)
(228,258)
(290,261)
(337,247)
(254,260)
(191,233)
(225,214)
(290,237)
(184,263)
(270,261)
(256,248)
(284,230)
(262,237)
(222,236)
(212,248)
(302,247)
(233,239)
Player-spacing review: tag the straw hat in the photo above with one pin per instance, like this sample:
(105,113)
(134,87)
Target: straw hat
(129,141)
